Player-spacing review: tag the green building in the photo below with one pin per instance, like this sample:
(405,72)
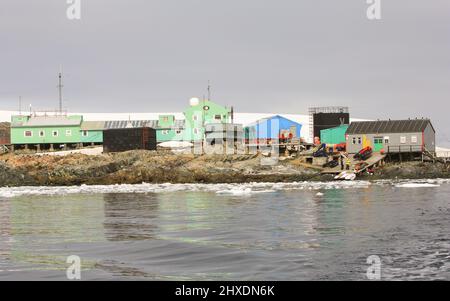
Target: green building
(201,113)
(92,132)
(334,135)
(58,131)
(46,131)
(169,129)
(192,128)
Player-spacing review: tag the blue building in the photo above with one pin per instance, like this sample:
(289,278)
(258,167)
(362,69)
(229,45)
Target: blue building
(272,128)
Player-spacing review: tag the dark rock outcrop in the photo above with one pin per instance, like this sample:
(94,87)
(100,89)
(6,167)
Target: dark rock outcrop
(162,167)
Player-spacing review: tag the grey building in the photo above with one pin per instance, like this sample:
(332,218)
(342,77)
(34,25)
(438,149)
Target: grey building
(223,138)
(393,136)
(219,133)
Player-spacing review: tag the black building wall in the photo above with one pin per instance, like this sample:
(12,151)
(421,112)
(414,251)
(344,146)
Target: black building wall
(121,140)
(5,133)
(323,121)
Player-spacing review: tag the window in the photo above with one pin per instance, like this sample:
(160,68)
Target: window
(354,140)
(28,134)
(413,139)
(386,140)
(85,133)
(403,139)
(217,117)
(195,117)
(359,140)
(196,131)
(165,132)
(68,133)
(378,140)
(55,133)
(41,133)
(165,119)
(178,132)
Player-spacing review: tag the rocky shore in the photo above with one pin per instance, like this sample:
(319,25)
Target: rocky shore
(136,167)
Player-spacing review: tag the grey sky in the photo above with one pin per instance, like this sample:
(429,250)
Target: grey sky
(261,56)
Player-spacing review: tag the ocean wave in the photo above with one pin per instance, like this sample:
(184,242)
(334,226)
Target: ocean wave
(413,183)
(220,189)
(416,185)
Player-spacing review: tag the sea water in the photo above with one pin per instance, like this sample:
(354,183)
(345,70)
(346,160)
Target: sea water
(255,231)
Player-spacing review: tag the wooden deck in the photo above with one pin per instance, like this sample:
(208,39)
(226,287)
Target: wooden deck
(374,159)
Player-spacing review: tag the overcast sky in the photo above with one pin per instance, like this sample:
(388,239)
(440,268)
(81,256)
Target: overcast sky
(279,56)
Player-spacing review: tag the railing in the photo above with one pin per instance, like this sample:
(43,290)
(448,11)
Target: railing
(404,149)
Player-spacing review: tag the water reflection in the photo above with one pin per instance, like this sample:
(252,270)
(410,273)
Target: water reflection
(5,229)
(130,216)
(283,235)
(36,228)
(48,219)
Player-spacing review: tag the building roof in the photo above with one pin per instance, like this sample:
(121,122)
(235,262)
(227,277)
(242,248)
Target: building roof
(342,126)
(35,121)
(388,126)
(93,125)
(221,127)
(122,124)
(263,120)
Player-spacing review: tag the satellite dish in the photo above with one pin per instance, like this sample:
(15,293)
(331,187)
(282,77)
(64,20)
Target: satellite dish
(194,101)
(206,108)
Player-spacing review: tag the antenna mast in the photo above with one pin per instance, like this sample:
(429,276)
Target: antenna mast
(60,86)
(20,105)
(209,90)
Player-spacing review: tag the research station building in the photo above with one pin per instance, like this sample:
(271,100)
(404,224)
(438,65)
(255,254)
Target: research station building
(392,136)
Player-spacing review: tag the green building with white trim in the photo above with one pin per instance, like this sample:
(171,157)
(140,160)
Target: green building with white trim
(56,131)
(45,131)
(51,132)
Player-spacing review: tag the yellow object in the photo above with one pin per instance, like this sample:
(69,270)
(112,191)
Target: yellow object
(366,142)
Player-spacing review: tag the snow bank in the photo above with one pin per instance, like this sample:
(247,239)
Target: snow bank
(176,144)
(95,151)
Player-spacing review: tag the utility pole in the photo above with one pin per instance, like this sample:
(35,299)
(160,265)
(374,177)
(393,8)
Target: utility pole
(60,86)
(209,90)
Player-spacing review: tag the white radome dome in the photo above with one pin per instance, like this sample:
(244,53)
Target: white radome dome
(194,101)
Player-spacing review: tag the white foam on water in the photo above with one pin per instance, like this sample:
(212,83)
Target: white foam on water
(416,185)
(221,189)
(413,183)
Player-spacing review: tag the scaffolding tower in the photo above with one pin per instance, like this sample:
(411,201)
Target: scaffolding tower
(317,110)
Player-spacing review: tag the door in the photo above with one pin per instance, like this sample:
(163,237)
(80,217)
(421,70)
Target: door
(377,144)
(293,131)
